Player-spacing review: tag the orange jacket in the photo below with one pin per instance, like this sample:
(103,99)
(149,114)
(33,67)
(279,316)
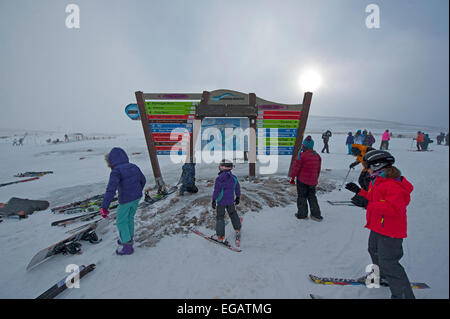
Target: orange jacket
(359,158)
(419,138)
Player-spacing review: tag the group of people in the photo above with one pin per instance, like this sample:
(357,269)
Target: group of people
(382,191)
(422,141)
(18,142)
(442,138)
(129,181)
(365,138)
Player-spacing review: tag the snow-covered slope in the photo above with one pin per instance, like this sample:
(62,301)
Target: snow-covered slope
(279,251)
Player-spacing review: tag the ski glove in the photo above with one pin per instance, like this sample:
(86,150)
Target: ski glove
(104,212)
(353,164)
(213,204)
(353,187)
(292,181)
(360,201)
(237,200)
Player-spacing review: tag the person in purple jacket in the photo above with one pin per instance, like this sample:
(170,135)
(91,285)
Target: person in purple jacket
(350,140)
(225,187)
(128,179)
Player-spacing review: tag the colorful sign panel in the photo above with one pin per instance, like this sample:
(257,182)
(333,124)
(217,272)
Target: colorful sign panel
(277,127)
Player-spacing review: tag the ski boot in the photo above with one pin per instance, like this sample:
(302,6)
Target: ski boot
(220,239)
(127,249)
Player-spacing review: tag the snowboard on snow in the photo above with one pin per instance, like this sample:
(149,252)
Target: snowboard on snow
(62,285)
(72,245)
(356,282)
(224,244)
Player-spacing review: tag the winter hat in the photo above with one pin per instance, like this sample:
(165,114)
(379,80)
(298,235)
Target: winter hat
(308,143)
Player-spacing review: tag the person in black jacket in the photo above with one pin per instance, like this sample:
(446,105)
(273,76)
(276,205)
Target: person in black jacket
(326,137)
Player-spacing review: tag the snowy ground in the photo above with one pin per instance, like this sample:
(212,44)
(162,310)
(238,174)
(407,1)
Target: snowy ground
(279,251)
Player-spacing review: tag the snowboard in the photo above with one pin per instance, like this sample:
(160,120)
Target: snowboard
(60,286)
(226,244)
(355,282)
(21,181)
(72,243)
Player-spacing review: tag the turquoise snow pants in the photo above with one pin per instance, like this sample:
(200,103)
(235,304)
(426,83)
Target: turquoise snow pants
(125,220)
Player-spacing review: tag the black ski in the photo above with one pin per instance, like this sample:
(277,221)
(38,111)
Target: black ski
(60,286)
(340,202)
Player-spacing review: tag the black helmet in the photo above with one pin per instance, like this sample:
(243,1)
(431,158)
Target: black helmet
(378,159)
(226,165)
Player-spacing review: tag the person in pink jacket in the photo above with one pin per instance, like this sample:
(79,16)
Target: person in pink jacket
(385,140)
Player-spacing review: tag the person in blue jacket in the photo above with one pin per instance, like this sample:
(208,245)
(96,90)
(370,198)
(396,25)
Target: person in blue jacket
(349,142)
(128,180)
(225,187)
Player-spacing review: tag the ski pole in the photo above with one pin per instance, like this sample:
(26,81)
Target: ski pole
(345,178)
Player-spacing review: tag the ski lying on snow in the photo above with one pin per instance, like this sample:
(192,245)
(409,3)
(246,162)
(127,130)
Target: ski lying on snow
(21,181)
(340,202)
(62,285)
(356,282)
(226,244)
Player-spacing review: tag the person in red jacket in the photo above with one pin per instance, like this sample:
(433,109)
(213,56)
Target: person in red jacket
(306,169)
(386,201)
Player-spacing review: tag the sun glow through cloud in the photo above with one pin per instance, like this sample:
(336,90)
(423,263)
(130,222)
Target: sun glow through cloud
(310,80)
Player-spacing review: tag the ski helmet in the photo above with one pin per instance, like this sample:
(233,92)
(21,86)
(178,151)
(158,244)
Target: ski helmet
(225,165)
(378,159)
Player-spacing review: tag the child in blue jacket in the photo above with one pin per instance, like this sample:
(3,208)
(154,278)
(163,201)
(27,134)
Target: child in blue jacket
(128,179)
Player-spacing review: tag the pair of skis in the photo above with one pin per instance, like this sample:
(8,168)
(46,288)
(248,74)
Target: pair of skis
(148,200)
(353,282)
(81,203)
(226,244)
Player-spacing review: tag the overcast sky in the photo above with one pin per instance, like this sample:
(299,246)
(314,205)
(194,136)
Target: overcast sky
(52,77)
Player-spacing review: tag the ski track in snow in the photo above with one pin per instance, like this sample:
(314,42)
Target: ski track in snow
(279,251)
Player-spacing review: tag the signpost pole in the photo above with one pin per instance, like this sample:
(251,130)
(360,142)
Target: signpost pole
(150,144)
(301,127)
(252,144)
